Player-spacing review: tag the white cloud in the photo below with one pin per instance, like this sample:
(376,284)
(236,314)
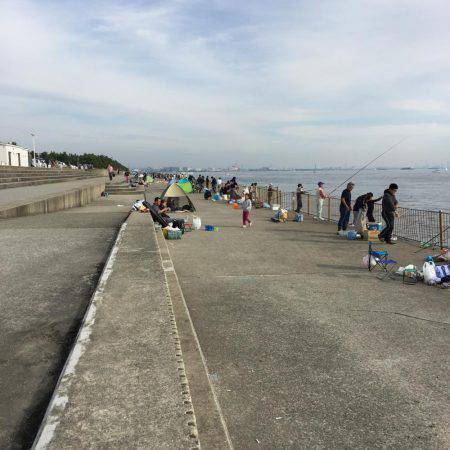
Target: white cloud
(216,82)
(426,106)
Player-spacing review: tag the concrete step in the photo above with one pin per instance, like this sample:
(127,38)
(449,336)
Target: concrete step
(122,188)
(118,185)
(55,173)
(26,171)
(46,199)
(5,167)
(128,192)
(38,182)
(16,178)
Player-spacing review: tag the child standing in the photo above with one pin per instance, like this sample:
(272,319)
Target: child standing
(246,208)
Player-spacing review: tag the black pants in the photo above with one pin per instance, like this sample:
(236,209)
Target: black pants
(299,203)
(389,218)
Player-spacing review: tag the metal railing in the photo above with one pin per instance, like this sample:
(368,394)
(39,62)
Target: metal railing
(413,224)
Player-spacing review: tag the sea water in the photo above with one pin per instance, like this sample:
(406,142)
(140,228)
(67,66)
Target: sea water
(418,188)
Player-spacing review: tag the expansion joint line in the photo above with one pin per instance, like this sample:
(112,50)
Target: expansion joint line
(184,382)
(169,270)
(400,314)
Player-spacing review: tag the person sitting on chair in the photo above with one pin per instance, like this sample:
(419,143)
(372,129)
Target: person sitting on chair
(163,208)
(156,213)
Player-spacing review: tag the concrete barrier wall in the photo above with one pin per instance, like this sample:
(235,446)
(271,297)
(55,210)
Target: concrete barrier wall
(65,200)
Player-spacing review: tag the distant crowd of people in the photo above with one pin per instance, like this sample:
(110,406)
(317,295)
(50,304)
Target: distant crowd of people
(362,208)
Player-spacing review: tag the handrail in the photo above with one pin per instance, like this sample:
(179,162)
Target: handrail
(419,225)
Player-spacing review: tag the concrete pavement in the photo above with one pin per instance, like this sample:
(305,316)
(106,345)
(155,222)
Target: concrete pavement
(124,384)
(305,348)
(289,342)
(50,266)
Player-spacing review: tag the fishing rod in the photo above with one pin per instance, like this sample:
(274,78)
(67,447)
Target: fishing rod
(369,163)
(423,244)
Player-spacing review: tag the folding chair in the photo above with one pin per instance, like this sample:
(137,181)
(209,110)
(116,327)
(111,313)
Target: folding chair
(381,259)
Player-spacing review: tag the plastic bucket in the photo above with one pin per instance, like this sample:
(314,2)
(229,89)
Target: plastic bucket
(351,235)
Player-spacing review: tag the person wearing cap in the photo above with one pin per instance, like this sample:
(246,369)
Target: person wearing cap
(345,207)
(299,193)
(320,197)
(389,212)
(270,194)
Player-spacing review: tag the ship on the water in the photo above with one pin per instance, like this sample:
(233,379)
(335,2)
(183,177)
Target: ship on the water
(441,169)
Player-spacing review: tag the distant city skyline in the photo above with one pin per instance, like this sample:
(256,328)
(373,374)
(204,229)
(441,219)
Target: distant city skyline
(185,168)
(214,83)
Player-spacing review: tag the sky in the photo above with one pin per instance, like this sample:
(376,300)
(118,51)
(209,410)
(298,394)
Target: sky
(215,82)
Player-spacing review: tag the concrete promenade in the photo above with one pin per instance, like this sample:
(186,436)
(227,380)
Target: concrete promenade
(305,348)
(124,384)
(267,337)
(50,265)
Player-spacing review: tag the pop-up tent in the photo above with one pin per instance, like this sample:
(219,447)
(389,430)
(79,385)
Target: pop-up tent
(186,185)
(177,199)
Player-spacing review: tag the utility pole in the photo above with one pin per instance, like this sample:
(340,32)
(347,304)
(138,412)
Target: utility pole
(34,147)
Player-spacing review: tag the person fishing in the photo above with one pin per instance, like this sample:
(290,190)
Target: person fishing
(270,194)
(253,192)
(321,195)
(370,206)
(345,207)
(299,193)
(389,207)
(359,209)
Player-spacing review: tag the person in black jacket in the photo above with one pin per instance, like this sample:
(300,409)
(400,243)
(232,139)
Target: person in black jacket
(359,210)
(371,205)
(299,193)
(389,213)
(164,221)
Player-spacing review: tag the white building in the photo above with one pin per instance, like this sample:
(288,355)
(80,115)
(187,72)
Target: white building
(13,155)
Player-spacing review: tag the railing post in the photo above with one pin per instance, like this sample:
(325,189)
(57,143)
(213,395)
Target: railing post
(441,228)
(329,209)
(308,202)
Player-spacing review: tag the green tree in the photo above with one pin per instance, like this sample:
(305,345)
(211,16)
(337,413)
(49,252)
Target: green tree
(97,161)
